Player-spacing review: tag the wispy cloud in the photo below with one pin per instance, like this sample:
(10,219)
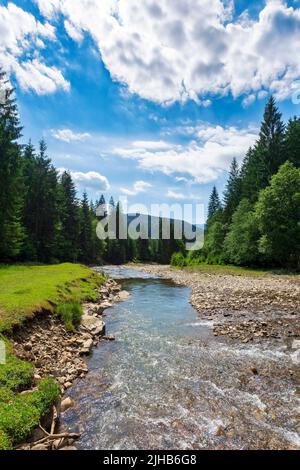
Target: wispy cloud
(67,135)
(203,159)
(138,187)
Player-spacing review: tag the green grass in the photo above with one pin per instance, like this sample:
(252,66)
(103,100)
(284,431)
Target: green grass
(70,314)
(25,290)
(234,270)
(21,414)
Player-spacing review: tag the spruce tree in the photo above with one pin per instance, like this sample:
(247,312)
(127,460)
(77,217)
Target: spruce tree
(214,205)
(11,230)
(69,217)
(41,212)
(86,231)
(232,193)
(271,138)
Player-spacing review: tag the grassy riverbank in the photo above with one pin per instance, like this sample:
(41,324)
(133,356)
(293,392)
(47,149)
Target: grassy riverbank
(229,270)
(25,291)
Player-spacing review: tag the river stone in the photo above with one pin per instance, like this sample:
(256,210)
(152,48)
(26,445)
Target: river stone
(123,295)
(296,344)
(296,357)
(66,404)
(91,323)
(87,346)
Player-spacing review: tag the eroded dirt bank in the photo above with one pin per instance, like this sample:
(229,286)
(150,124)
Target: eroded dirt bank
(62,354)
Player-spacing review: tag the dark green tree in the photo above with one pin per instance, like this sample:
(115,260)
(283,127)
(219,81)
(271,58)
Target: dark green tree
(41,212)
(271,138)
(214,205)
(11,231)
(86,231)
(232,195)
(69,219)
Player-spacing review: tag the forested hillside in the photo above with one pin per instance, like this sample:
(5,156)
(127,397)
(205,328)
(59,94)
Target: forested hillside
(42,219)
(257,222)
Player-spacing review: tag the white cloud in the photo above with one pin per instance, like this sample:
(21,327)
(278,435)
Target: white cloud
(67,135)
(21,40)
(175,195)
(138,187)
(203,159)
(89,180)
(172,50)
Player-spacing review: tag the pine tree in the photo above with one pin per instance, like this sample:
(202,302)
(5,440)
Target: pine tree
(11,231)
(86,231)
(214,205)
(264,160)
(41,213)
(271,138)
(232,193)
(69,217)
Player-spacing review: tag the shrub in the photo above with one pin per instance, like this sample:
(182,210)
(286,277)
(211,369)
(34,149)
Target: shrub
(71,314)
(16,375)
(4,441)
(21,414)
(178,260)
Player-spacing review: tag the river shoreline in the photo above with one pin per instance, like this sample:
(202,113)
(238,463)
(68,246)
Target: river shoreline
(241,307)
(58,353)
(170,381)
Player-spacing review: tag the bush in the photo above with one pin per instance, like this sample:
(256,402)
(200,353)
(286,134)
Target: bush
(71,314)
(4,441)
(178,260)
(16,375)
(21,414)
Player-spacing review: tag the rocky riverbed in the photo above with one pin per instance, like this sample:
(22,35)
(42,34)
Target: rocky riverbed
(55,352)
(242,307)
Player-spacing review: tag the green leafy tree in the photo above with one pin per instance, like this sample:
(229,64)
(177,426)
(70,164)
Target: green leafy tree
(241,242)
(292,141)
(278,215)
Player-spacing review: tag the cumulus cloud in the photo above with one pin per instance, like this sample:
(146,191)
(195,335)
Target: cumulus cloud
(172,50)
(203,159)
(67,135)
(21,39)
(138,187)
(90,180)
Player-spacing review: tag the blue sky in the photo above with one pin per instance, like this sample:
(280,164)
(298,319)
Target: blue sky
(149,99)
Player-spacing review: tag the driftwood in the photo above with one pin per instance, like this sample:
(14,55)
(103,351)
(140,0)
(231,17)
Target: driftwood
(54,437)
(51,436)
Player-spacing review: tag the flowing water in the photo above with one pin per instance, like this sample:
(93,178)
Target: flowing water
(168,383)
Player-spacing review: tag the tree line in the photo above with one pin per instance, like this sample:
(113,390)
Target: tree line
(257,222)
(42,220)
